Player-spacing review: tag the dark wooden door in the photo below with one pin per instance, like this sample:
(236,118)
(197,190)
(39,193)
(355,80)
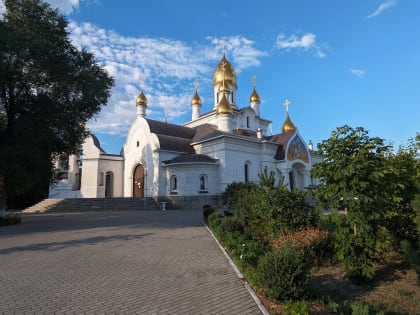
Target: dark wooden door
(138,181)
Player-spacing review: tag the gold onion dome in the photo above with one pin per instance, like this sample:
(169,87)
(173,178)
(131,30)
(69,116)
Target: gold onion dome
(196,100)
(288,125)
(254,98)
(224,88)
(141,100)
(224,107)
(228,74)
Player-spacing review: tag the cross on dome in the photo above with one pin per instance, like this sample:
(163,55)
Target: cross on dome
(223,43)
(287,103)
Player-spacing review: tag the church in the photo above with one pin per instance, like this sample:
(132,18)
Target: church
(190,164)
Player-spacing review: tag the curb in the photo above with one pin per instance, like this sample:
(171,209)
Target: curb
(238,273)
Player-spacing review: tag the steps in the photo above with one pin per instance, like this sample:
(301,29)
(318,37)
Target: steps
(93,204)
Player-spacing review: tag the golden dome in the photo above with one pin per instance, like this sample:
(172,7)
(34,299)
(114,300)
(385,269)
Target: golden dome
(141,100)
(224,107)
(196,100)
(224,88)
(254,98)
(288,125)
(228,74)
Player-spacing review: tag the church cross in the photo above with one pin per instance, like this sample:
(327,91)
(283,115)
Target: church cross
(254,80)
(166,110)
(196,84)
(287,103)
(223,43)
(142,83)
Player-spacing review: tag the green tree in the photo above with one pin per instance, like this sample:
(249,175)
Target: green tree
(373,187)
(267,181)
(48,90)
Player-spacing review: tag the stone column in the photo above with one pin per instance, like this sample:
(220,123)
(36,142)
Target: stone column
(285,173)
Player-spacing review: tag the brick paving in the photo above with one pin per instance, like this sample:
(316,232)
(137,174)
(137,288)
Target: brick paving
(144,262)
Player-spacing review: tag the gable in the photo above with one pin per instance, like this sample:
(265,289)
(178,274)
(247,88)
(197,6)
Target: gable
(297,150)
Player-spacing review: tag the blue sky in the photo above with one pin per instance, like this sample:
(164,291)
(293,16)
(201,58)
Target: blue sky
(339,62)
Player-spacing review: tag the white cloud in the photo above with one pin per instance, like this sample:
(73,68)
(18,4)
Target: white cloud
(2,9)
(65,6)
(307,42)
(386,5)
(168,66)
(358,72)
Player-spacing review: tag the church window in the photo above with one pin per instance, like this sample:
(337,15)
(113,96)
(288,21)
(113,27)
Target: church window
(101,179)
(138,143)
(203,184)
(291,180)
(247,121)
(246,172)
(174,184)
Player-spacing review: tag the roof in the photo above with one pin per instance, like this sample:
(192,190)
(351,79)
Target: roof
(163,128)
(282,139)
(180,139)
(97,143)
(172,137)
(191,159)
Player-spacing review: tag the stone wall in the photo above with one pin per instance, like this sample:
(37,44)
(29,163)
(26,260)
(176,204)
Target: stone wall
(191,202)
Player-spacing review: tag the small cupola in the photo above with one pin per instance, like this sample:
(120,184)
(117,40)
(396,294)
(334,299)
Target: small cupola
(196,102)
(288,125)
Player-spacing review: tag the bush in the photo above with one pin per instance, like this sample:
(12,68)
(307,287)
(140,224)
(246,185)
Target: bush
(315,242)
(10,219)
(411,257)
(234,192)
(207,210)
(284,273)
(296,308)
(245,251)
(214,219)
(230,224)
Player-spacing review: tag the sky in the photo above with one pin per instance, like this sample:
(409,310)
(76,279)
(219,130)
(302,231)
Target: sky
(354,62)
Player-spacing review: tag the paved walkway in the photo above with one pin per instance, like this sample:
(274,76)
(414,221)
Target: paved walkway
(146,262)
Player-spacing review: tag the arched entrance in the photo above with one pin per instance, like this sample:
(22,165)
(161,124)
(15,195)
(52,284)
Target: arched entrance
(296,177)
(138,181)
(109,184)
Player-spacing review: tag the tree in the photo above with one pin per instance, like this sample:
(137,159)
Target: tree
(267,181)
(48,90)
(373,187)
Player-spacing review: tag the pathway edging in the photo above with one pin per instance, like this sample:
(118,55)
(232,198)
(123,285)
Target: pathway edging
(238,272)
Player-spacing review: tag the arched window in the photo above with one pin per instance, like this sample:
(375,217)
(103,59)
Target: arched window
(246,172)
(174,184)
(247,121)
(203,183)
(109,184)
(101,179)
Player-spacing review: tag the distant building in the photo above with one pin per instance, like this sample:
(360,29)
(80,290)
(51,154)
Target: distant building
(193,162)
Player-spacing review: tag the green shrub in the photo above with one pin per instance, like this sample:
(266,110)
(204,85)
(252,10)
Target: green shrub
(411,256)
(316,243)
(207,210)
(358,308)
(296,308)
(231,224)
(234,192)
(284,273)
(213,220)
(10,219)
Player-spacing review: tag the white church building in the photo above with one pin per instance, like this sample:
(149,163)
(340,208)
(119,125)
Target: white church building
(192,162)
